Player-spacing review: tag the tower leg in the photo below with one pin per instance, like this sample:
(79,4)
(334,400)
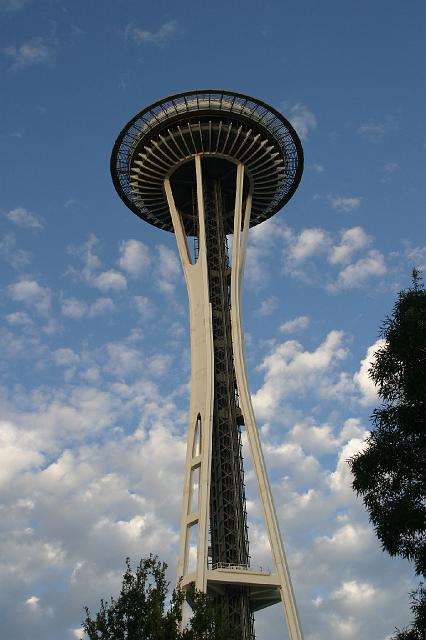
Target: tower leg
(198,453)
(239,248)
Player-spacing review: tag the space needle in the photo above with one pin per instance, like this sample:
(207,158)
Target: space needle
(206,165)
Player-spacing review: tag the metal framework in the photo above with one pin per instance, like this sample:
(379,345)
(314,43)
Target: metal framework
(206,164)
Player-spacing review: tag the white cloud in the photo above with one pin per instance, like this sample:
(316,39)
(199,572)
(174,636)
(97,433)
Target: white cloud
(77,309)
(18,452)
(73,308)
(110,279)
(123,359)
(71,203)
(362,380)
(340,482)
(296,324)
(318,168)
(389,168)
(24,218)
(345,203)
(288,369)
(13,5)
(105,280)
(308,243)
(65,357)
(32,294)
(159,364)
(417,256)
(374,130)
(101,306)
(302,120)
(17,258)
(356,274)
(144,306)
(167,269)
(262,238)
(352,429)
(134,257)
(358,593)
(158,38)
(33,602)
(19,318)
(268,306)
(349,539)
(34,51)
(291,457)
(352,240)
(88,256)
(314,438)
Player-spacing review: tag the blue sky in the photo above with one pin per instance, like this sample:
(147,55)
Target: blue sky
(94,328)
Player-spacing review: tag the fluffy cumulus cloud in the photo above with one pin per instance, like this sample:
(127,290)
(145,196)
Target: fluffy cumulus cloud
(77,309)
(101,306)
(134,257)
(334,261)
(97,428)
(352,240)
(268,306)
(366,387)
(295,324)
(290,369)
(109,280)
(12,254)
(108,445)
(168,269)
(262,239)
(91,272)
(144,306)
(73,308)
(18,451)
(359,272)
(24,218)
(30,293)
(308,243)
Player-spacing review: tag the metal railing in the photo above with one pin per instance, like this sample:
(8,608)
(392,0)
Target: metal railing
(239,567)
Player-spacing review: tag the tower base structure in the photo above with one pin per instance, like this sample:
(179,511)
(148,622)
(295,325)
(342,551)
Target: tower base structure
(223,578)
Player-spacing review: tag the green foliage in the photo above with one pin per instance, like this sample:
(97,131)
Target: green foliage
(418,607)
(207,622)
(140,613)
(390,473)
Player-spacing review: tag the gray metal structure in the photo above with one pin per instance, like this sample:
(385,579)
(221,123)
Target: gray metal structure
(206,164)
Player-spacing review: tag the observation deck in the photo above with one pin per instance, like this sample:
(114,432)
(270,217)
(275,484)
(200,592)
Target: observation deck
(225,128)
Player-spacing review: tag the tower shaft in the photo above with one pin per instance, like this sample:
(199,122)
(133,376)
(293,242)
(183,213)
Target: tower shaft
(228,517)
(207,164)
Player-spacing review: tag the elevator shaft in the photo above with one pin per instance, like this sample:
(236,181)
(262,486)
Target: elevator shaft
(228,515)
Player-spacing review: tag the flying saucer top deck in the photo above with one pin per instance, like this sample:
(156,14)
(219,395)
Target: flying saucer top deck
(224,128)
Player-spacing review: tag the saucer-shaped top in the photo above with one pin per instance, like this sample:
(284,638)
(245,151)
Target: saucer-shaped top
(224,128)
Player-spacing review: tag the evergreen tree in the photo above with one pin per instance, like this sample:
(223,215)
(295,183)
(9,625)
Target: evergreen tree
(390,474)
